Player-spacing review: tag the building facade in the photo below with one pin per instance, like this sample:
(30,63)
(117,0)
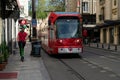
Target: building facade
(70,5)
(9,13)
(108,20)
(23,8)
(87,8)
(0,21)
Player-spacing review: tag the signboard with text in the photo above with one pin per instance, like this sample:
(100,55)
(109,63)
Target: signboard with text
(34,22)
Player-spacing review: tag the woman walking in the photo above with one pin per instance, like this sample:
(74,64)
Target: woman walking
(21,38)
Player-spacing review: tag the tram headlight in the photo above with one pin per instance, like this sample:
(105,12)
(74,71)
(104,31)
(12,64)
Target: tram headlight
(60,41)
(78,41)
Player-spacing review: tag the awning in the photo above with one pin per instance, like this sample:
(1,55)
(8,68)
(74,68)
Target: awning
(112,22)
(108,23)
(11,9)
(11,4)
(102,25)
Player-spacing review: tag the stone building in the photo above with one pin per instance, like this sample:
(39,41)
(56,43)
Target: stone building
(108,20)
(70,5)
(87,8)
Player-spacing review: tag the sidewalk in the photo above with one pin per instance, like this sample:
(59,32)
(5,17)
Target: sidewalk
(111,47)
(31,69)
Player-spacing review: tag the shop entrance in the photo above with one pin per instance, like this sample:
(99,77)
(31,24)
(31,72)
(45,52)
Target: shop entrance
(119,35)
(104,35)
(111,35)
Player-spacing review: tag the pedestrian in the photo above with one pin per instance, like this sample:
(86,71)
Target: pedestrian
(85,35)
(21,38)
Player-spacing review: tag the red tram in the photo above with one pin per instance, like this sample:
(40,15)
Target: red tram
(63,35)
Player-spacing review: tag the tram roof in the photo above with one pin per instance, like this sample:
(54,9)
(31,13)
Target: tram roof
(67,13)
(55,15)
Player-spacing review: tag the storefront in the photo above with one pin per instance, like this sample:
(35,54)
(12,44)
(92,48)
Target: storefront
(8,16)
(110,32)
(0,21)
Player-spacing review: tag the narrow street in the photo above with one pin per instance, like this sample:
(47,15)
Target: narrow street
(90,28)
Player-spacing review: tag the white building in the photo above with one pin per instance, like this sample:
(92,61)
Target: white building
(23,8)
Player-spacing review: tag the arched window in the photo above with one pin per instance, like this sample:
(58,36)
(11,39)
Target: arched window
(115,2)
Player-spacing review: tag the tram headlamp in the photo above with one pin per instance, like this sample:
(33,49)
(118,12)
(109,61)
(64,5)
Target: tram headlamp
(77,40)
(60,41)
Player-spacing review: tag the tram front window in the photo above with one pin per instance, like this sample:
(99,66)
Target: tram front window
(67,28)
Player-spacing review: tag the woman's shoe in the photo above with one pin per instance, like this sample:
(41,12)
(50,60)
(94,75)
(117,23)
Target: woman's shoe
(22,59)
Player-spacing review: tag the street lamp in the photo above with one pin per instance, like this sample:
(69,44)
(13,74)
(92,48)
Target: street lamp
(34,31)
(82,12)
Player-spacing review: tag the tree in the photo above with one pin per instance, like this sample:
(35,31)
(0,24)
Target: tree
(48,5)
(40,9)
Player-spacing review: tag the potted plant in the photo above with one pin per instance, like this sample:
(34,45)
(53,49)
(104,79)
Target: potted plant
(3,55)
(2,65)
(5,51)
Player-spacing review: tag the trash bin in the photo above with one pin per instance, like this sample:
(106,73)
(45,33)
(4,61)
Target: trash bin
(36,48)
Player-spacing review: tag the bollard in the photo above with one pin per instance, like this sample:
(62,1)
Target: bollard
(108,46)
(97,45)
(115,47)
(102,46)
(89,44)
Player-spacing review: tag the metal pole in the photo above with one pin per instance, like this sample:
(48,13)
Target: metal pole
(34,31)
(92,11)
(81,3)
(115,47)
(82,8)
(81,11)
(92,7)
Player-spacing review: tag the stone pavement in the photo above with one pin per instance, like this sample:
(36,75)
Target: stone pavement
(31,69)
(111,47)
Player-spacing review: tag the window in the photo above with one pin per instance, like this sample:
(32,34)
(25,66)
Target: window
(115,2)
(22,10)
(102,2)
(51,33)
(102,16)
(85,6)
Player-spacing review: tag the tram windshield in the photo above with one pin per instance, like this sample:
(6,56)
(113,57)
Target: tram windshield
(67,28)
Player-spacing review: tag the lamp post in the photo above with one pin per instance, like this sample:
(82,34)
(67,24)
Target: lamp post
(82,7)
(82,12)
(34,31)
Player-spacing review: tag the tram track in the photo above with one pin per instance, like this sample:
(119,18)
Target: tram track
(103,51)
(78,75)
(73,73)
(100,66)
(89,62)
(111,57)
